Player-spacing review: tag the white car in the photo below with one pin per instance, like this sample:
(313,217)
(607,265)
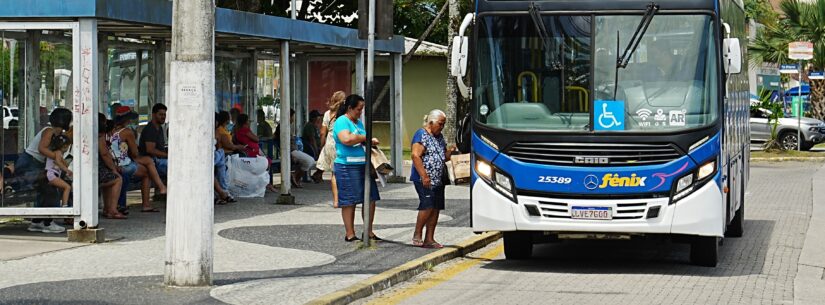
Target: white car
(9,117)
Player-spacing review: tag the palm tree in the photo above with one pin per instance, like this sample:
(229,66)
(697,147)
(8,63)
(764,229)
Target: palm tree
(801,21)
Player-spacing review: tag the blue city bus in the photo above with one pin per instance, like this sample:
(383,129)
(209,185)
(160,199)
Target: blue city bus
(596,119)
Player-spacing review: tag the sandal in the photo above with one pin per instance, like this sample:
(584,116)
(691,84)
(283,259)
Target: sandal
(351,239)
(417,242)
(151,210)
(124,211)
(230,199)
(219,201)
(114,216)
(375,238)
(432,245)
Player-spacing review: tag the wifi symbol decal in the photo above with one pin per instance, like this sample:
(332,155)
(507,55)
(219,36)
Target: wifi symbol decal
(644,113)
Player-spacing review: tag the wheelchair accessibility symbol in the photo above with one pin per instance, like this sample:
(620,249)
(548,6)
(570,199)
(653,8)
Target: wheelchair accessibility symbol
(609,115)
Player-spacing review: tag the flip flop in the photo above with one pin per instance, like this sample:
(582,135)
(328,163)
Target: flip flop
(417,242)
(152,210)
(351,239)
(375,238)
(432,245)
(115,216)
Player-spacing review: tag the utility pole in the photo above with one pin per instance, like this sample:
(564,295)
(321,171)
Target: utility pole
(190,213)
(452,97)
(368,125)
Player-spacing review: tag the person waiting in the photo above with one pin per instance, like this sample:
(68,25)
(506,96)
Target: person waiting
(125,153)
(304,162)
(152,141)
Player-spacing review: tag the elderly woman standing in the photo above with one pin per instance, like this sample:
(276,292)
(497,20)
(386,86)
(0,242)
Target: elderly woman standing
(350,136)
(429,152)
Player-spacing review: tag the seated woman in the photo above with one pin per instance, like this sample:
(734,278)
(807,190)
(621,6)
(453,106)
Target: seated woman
(224,147)
(125,152)
(244,136)
(107,172)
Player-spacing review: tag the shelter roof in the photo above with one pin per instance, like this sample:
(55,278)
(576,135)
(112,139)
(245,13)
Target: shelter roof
(152,20)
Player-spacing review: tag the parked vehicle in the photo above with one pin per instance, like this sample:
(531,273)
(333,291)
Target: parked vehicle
(813,130)
(9,117)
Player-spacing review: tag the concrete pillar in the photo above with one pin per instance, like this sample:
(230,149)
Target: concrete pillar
(190,210)
(360,76)
(29,110)
(299,90)
(103,75)
(159,72)
(397,119)
(85,108)
(138,73)
(284,137)
(252,105)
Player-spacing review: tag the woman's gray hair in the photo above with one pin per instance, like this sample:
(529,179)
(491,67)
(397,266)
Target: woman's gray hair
(433,116)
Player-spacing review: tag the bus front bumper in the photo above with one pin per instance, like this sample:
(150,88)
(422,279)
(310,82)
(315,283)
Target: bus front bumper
(700,213)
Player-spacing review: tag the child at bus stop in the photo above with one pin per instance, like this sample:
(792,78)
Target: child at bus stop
(55,167)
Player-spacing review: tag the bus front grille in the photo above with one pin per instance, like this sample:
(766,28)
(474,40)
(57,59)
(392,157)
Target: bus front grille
(620,211)
(594,154)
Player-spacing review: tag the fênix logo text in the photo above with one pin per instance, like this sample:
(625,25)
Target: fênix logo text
(615,180)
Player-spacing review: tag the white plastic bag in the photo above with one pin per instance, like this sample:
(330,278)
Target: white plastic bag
(248,177)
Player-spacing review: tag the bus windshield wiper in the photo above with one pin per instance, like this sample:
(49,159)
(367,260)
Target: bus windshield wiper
(622,61)
(535,15)
(652,8)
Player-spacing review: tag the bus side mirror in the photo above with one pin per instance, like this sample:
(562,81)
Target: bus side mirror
(458,56)
(733,55)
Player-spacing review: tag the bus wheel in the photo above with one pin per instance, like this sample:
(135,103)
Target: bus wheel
(704,251)
(518,245)
(736,228)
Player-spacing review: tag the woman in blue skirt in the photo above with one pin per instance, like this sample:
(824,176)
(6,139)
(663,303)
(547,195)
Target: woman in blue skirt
(350,160)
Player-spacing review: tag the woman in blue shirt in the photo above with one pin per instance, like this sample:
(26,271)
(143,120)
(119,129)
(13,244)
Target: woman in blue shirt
(350,159)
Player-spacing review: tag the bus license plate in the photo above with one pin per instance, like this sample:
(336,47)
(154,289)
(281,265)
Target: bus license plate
(603,213)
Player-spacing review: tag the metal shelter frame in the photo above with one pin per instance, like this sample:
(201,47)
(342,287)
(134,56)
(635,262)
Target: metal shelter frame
(145,25)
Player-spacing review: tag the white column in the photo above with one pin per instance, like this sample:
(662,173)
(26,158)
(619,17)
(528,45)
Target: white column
(397,130)
(85,108)
(360,76)
(284,137)
(190,212)
(159,72)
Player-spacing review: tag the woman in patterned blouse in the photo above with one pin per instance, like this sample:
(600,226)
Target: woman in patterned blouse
(429,153)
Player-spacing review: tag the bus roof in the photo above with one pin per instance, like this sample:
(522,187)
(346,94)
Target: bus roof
(595,5)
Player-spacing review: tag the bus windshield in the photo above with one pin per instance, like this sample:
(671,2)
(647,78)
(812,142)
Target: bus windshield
(528,80)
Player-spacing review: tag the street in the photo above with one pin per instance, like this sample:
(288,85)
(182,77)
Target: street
(759,268)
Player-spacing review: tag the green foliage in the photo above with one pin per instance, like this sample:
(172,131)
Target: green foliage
(776,112)
(267,100)
(761,11)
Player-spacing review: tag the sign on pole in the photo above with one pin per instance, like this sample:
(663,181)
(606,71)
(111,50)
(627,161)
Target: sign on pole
(801,50)
(789,69)
(816,75)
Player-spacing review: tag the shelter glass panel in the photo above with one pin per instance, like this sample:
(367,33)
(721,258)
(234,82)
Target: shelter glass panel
(36,90)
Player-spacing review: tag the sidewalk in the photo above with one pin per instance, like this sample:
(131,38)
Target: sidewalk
(263,253)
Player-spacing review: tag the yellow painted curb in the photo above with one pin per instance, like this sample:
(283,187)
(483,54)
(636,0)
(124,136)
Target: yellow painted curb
(404,272)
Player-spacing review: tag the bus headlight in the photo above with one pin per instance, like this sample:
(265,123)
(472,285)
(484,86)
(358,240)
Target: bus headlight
(684,183)
(484,169)
(503,182)
(694,180)
(496,178)
(706,170)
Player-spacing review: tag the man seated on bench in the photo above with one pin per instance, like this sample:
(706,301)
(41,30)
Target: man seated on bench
(153,141)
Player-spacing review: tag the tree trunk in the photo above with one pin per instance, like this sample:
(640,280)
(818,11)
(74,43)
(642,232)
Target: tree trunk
(410,54)
(817,98)
(452,95)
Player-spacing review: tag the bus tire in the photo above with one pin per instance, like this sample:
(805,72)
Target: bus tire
(518,245)
(736,228)
(704,251)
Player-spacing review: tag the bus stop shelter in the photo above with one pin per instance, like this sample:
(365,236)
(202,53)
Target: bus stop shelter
(85,55)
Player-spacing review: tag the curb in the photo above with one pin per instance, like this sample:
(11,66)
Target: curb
(404,272)
(781,159)
(809,281)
